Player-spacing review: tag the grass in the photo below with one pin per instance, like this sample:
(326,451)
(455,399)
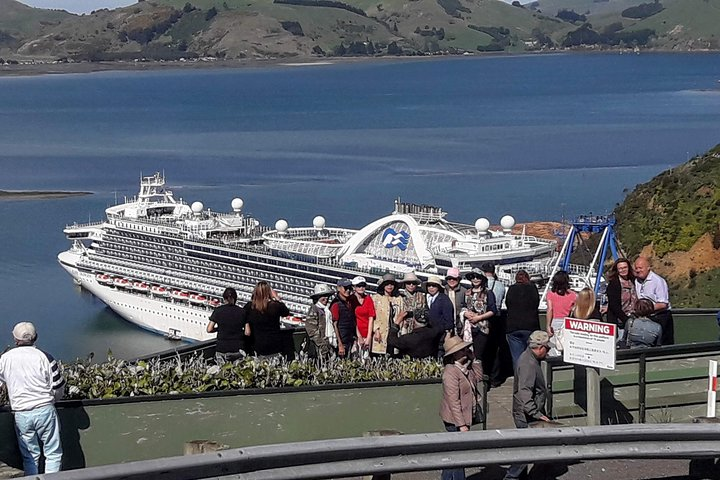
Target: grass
(701,291)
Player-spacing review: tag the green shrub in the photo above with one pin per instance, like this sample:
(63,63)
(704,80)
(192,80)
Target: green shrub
(118,378)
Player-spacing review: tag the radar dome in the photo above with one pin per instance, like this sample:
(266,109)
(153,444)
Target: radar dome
(197,207)
(281,225)
(319,222)
(507,223)
(482,225)
(237,204)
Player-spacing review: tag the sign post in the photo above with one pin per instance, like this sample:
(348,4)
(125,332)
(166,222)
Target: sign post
(592,344)
(712,389)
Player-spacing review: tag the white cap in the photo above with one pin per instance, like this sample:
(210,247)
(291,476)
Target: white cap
(358,280)
(25,332)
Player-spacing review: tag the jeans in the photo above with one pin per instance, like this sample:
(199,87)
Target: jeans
(40,424)
(455,473)
(517,341)
(515,470)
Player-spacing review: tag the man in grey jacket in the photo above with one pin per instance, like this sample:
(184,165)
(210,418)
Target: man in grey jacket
(529,390)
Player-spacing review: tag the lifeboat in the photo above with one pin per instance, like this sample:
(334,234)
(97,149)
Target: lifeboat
(159,291)
(121,282)
(141,286)
(103,278)
(198,298)
(214,302)
(180,295)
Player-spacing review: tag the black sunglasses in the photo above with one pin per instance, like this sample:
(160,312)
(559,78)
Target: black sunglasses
(361,285)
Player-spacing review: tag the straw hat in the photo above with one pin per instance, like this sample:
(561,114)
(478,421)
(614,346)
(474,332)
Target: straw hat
(434,280)
(387,278)
(411,278)
(454,344)
(322,290)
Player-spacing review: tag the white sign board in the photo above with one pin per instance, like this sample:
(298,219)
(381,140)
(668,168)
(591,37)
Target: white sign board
(590,343)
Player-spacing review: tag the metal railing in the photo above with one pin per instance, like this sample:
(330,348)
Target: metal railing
(642,357)
(413,453)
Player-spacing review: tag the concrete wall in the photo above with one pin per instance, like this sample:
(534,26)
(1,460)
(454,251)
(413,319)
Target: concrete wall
(104,432)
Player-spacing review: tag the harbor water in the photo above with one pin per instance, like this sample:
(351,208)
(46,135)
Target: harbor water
(537,137)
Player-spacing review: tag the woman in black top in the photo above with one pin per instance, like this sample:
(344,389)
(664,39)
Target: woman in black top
(229,322)
(522,301)
(264,311)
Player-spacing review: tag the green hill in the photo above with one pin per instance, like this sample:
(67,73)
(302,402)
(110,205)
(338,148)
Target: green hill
(675,218)
(236,29)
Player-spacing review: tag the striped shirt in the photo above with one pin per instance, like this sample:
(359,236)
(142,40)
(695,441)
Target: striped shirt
(33,377)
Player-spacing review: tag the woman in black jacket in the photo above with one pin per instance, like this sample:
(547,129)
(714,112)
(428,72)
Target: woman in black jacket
(264,311)
(621,294)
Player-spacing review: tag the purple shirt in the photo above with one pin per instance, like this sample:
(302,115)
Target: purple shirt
(653,288)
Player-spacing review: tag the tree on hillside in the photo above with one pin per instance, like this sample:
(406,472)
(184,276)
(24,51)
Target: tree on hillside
(570,16)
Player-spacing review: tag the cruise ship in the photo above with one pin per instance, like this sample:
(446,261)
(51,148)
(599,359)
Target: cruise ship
(163,264)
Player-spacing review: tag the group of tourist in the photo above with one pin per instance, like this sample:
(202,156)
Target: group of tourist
(637,302)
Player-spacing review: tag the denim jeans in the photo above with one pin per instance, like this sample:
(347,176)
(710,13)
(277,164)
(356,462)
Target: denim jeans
(517,341)
(455,473)
(40,424)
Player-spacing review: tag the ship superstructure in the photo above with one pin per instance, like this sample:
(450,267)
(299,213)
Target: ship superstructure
(163,264)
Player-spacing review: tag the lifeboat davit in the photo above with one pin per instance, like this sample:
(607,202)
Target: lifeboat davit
(103,278)
(159,290)
(141,286)
(121,282)
(198,298)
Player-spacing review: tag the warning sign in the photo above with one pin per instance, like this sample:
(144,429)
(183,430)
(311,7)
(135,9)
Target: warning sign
(590,343)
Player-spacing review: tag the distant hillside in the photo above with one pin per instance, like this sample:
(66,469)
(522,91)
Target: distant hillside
(247,29)
(675,218)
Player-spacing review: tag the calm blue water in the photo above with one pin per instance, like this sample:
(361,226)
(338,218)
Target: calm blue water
(532,136)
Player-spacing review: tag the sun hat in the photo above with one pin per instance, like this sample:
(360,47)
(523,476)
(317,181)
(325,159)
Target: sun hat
(410,277)
(538,338)
(24,332)
(434,280)
(453,273)
(358,280)
(387,278)
(474,272)
(321,290)
(488,267)
(344,282)
(454,344)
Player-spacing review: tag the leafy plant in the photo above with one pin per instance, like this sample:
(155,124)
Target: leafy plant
(119,378)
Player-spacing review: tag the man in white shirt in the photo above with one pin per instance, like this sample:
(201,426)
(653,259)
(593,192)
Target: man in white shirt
(33,382)
(652,286)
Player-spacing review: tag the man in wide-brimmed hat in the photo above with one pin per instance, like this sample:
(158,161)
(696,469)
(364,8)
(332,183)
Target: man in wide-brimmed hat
(322,331)
(414,301)
(440,309)
(530,390)
(456,294)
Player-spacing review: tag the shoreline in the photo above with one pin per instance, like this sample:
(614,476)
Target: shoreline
(38,69)
(39,194)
